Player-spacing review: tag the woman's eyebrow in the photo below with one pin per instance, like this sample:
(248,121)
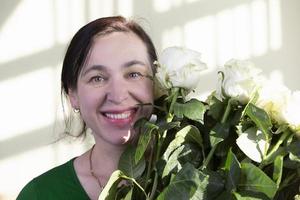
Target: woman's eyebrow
(94,67)
(103,67)
(133,62)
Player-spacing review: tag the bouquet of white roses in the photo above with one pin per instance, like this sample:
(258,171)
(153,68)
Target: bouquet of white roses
(242,143)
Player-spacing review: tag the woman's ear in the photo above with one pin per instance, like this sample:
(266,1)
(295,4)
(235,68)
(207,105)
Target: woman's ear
(73,98)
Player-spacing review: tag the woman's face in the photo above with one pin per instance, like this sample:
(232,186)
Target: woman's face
(111,86)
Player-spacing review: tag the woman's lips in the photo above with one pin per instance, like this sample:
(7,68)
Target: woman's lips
(120,118)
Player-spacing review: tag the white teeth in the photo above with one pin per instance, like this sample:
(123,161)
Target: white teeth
(118,116)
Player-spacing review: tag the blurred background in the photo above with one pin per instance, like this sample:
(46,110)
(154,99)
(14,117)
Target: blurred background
(34,35)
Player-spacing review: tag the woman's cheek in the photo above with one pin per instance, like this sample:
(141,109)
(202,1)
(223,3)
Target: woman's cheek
(91,99)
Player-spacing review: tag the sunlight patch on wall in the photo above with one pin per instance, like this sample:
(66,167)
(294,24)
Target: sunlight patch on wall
(34,163)
(242,31)
(275,28)
(192,1)
(172,37)
(101,8)
(200,35)
(166,5)
(239,32)
(259,27)
(69,17)
(27,31)
(176,3)
(125,8)
(225,36)
(26,103)
(161,6)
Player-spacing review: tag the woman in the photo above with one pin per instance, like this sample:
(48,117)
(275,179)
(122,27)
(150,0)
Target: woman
(105,76)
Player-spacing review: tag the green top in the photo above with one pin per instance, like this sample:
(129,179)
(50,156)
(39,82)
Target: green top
(59,183)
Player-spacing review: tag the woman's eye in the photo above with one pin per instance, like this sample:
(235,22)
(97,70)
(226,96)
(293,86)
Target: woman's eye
(97,79)
(135,75)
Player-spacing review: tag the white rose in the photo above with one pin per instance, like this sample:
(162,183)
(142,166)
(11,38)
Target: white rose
(291,113)
(240,79)
(179,67)
(273,98)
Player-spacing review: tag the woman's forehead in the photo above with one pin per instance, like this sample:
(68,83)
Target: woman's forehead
(117,47)
(113,39)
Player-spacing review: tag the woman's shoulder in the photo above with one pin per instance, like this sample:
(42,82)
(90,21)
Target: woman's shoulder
(58,183)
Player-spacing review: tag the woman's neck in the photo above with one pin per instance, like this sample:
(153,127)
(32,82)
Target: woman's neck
(105,158)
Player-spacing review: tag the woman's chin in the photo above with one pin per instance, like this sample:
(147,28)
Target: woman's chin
(124,138)
(130,138)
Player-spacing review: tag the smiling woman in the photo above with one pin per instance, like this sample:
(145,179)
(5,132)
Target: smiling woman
(105,76)
(110,87)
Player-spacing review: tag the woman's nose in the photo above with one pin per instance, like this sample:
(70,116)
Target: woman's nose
(117,91)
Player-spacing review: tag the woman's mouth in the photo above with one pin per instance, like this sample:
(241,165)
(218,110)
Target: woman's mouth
(120,118)
(124,115)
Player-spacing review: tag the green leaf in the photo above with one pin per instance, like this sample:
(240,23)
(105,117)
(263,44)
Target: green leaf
(253,143)
(194,136)
(255,180)
(216,108)
(192,109)
(109,191)
(129,195)
(187,153)
(167,126)
(190,154)
(282,128)
(182,186)
(173,162)
(246,195)
(260,118)
(224,195)
(211,185)
(127,163)
(134,183)
(278,167)
(145,137)
(233,171)
(294,157)
(294,148)
(189,133)
(218,133)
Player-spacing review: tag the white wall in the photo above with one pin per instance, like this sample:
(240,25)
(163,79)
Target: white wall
(34,35)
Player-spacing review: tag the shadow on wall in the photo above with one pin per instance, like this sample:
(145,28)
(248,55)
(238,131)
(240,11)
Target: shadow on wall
(7,8)
(263,31)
